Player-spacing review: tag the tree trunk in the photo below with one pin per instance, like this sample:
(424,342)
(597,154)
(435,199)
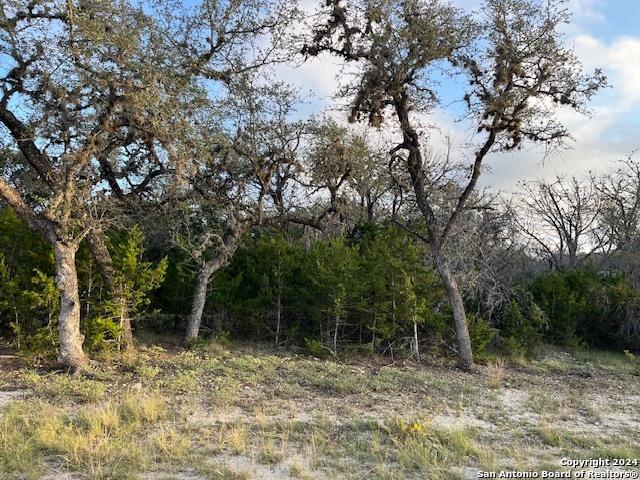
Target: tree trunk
(335,336)
(278,316)
(436,236)
(100,253)
(200,298)
(71,353)
(280,286)
(465,356)
(208,268)
(416,344)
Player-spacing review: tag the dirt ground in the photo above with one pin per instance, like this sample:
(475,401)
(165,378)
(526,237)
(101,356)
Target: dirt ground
(522,418)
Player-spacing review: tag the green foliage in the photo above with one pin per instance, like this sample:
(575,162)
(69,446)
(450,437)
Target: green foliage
(330,296)
(481,333)
(101,333)
(316,348)
(135,278)
(521,333)
(586,306)
(174,294)
(30,301)
(399,288)
(28,298)
(44,297)
(369,289)
(633,360)
(335,281)
(41,340)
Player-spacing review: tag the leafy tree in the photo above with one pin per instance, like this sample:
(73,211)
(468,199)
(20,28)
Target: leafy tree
(277,268)
(26,264)
(369,288)
(80,93)
(517,73)
(238,181)
(342,163)
(521,328)
(586,306)
(230,145)
(335,265)
(135,279)
(400,297)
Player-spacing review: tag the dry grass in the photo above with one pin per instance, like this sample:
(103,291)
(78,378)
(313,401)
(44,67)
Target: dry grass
(495,371)
(218,413)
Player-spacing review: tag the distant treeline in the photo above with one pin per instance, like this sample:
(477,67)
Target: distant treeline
(370,290)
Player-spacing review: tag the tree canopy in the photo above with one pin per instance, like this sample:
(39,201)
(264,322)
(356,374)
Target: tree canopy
(159,157)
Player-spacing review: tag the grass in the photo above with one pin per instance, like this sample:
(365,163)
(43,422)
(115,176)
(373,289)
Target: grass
(495,371)
(106,441)
(222,412)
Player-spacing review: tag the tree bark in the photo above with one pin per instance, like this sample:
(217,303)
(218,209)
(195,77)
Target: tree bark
(71,353)
(437,237)
(465,356)
(208,268)
(200,298)
(100,253)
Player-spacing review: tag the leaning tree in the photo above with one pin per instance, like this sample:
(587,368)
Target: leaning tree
(509,63)
(84,87)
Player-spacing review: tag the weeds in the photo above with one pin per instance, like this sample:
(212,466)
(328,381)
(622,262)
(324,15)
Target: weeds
(495,371)
(62,387)
(306,418)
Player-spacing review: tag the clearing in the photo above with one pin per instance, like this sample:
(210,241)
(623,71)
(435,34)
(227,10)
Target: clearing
(252,412)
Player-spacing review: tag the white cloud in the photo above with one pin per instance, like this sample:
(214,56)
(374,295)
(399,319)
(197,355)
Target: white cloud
(609,135)
(620,62)
(586,10)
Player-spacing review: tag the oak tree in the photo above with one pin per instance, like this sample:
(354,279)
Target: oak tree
(84,86)
(513,71)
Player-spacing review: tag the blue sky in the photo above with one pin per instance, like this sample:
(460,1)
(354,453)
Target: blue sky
(604,34)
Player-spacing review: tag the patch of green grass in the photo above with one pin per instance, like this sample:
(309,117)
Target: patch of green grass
(550,435)
(222,392)
(225,472)
(542,403)
(618,447)
(147,372)
(304,417)
(182,381)
(584,361)
(326,377)
(19,455)
(61,387)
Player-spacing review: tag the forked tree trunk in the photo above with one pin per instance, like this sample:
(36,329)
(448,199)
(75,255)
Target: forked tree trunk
(100,253)
(208,268)
(71,353)
(435,238)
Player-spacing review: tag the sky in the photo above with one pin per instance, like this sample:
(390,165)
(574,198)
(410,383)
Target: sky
(604,34)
